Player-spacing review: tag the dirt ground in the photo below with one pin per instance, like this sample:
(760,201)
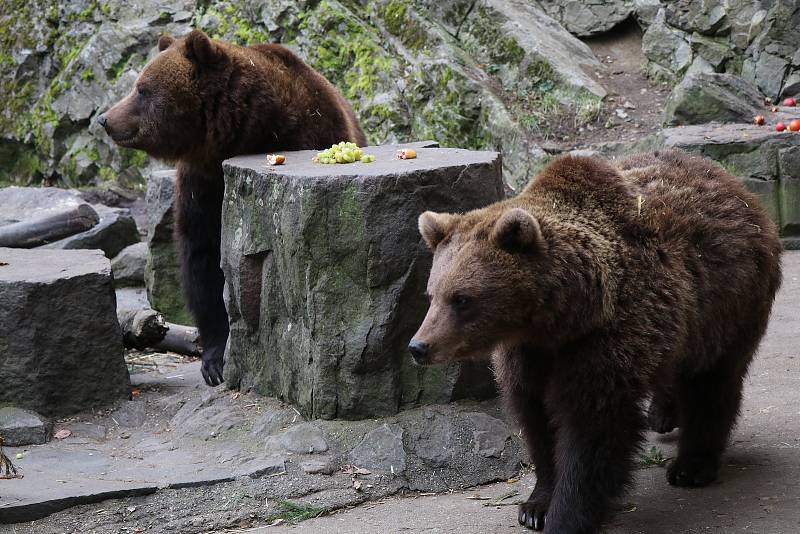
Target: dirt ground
(758,490)
(634,105)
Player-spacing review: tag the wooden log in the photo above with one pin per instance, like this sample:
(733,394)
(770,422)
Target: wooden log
(181,339)
(42,230)
(141,328)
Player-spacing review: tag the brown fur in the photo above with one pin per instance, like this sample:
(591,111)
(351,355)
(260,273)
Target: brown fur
(200,101)
(595,288)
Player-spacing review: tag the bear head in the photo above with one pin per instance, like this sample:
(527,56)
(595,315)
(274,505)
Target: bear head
(164,114)
(481,289)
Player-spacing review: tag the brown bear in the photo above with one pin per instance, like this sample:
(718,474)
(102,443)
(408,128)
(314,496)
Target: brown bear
(200,101)
(597,287)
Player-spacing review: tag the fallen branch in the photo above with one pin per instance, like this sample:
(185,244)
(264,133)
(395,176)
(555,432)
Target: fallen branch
(141,328)
(43,230)
(180,339)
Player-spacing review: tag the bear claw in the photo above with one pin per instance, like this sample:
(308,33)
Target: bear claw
(531,515)
(212,368)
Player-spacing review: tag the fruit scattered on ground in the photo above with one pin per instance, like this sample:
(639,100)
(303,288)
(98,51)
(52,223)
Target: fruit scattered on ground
(406,153)
(780,127)
(790,102)
(794,126)
(759,119)
(276,159)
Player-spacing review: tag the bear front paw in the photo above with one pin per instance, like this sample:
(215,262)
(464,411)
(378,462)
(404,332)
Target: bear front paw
(661,418)
(532,514)
(213,364)
(694,472)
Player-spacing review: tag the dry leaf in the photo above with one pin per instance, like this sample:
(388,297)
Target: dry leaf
(63,433)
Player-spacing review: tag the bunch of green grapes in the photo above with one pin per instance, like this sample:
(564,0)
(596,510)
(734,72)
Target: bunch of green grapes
(343,152)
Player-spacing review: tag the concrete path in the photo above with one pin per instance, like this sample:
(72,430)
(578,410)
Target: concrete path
(758,490)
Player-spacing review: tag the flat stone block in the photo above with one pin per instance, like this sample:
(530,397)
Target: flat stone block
(20,427)
(60,342)
(326,273)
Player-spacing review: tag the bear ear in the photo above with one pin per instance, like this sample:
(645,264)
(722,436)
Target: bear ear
(164,42)
(200,48)
(517,231)
(434,227)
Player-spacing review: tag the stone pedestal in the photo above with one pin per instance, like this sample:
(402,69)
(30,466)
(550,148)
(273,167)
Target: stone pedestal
(325,275)
(162,273)
(60,343)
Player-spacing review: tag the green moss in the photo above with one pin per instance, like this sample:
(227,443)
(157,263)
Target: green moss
(87,74)
(487,39)
(132,158)
(398,23)
(19,163)
(347,52)
(233,25)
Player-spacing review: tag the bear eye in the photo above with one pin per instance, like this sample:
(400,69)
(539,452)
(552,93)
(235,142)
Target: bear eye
(461,303)
(143,92)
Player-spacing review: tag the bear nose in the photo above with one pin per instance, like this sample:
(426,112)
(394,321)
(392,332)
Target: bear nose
(419,351)
(102,120)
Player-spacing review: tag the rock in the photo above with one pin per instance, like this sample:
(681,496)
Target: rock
(130,415)
(317,467)
(325,273)
(59,337)
(585,18)
(25,203)
(707,97)
(381,450)
(436,444)
(20,427)
(262,467)
(206,417)
(667,51)
(128,266)
(162,272)
(303,438)
(271,422)
(88,430)
(115,231)
(489,436)
(756,40)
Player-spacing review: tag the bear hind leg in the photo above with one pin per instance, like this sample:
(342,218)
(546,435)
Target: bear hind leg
(708,404)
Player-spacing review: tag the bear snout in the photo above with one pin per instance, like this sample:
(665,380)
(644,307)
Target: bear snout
(420,352)
(102,120)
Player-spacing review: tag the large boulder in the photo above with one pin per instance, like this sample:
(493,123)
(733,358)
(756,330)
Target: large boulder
(325,274)
(588,17)
(60,343)
(706,97)
(162,272)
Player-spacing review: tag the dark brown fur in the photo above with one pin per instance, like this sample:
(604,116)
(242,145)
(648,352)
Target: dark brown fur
(200,101)
(594,289)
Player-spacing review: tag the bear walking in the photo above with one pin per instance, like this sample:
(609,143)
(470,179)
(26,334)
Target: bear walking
(597,287)
(201,101)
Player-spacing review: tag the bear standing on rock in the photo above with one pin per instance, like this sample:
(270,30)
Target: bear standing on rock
(597,287)
(201,101)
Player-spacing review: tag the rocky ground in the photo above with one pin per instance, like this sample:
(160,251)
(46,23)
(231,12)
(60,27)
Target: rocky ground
(198,448)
